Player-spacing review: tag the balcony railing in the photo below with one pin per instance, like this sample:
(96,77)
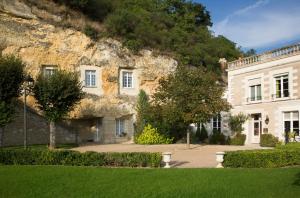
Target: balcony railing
(267,56)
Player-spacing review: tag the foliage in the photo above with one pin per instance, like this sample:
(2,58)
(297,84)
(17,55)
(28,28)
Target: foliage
(74,158)
(217,138)
(178,27)
(269,158)
(193,93)
(11,78)
(268,140)
(91,32)
(238,139)
(236,122)
(250,52)
(203,133)
(57,94)
(151,135)
(95,9)
(143,110)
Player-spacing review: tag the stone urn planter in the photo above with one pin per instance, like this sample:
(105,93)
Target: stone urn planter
(167,159)
(220,159)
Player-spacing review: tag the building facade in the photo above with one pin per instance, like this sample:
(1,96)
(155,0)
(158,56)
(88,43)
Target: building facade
(267,88)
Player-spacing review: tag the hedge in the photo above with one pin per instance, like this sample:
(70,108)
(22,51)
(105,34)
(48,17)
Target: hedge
(262,158)
(74,158)
(268,140)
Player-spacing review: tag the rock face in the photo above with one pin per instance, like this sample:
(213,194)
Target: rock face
(39,43)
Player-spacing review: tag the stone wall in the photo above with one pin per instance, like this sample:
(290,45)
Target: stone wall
(37,130)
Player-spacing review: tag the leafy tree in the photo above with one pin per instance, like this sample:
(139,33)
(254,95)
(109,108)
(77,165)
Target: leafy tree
(56,96)
(11,78)
(236,122)
(193,93)
(250,52)
(142,109)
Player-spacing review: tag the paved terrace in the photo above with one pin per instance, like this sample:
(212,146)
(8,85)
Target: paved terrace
(198,156)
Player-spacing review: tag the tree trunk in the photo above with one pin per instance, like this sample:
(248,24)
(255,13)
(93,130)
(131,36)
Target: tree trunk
(52,135)
(1,136)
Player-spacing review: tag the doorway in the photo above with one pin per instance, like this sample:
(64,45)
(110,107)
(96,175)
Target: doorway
(256,127)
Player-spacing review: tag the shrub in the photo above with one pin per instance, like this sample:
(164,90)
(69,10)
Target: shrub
(238,139)
(236,122)
(262,158)
(74,158)
(268,140)
(201,134)
(151,135)
(217,138)
(91,32)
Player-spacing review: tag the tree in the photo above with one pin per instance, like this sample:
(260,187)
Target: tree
(194,93)
(236,122)
(11,78)
(57,95)
(142,109)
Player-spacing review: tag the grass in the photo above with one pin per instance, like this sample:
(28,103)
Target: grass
(62,181)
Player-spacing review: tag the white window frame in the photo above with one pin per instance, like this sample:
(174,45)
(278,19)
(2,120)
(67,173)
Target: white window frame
(217,119)
(126,77)
(49,70)
(120,126)
(92,80)
(255,98)
(282,77)
(290,119)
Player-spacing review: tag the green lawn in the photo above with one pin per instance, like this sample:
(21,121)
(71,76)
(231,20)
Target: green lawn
(60,181)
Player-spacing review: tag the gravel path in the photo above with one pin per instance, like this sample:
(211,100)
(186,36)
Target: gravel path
(198,156)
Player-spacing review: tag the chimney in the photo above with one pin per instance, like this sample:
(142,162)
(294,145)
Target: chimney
(223,63)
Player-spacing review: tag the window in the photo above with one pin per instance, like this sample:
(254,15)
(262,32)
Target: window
(282,86)
(49,70)
(90,78)
(291,122)
(216,123)
(127,79)
(119,127)
(255,92)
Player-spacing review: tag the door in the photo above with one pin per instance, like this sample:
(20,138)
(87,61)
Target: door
(256,128)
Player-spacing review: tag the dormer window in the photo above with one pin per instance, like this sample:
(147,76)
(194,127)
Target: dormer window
(127,79)
(49,70)
(90,78)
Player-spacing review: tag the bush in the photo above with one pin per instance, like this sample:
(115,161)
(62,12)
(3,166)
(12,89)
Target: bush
(151,135)
(201,134)
(268,140)
(262,158)
(217,138)
(74,158)
(91,32)
(238,139)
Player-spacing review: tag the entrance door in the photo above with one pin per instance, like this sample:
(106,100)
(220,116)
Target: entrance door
(256,127)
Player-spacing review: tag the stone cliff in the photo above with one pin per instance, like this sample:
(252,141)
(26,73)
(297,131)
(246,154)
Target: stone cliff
(39,43)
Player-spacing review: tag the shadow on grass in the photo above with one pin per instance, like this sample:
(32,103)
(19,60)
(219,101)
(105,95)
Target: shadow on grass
(297,181)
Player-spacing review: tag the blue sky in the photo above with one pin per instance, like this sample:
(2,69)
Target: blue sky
(259,24)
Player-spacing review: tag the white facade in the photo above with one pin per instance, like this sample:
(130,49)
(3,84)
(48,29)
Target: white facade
(266,87)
